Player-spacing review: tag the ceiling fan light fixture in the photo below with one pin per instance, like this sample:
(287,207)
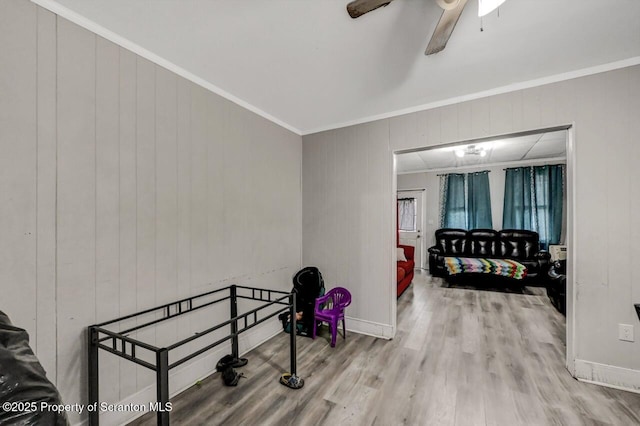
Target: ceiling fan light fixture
(487,6)
(448,4)
(470,150)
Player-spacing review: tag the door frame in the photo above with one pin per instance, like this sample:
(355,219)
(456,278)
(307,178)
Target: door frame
(571,237)
(420,225)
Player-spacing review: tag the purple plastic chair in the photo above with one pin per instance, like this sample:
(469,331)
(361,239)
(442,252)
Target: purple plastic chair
(330,308)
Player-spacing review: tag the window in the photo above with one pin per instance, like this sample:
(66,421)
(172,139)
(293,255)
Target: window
(534,200)
(465,201)
(407,214)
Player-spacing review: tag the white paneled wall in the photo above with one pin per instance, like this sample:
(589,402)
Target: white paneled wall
(76,206)
(45,338)
(347,193)
(603,110)
(18,192)
(18,185)
(124,186)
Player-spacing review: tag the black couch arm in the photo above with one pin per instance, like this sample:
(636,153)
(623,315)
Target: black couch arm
(544,262)
(557,285)
(436,267)
(434,250)
(543,255)
(559,267)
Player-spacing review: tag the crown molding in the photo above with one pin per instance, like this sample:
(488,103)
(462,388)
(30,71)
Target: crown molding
(76,18)
(486,93)
(92,26)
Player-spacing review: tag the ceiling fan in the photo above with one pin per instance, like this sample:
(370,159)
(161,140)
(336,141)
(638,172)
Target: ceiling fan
(452,9)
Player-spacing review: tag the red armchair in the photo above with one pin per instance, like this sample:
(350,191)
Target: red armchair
(405,268)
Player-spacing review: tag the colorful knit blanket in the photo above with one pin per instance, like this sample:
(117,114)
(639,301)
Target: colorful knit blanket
(503,267)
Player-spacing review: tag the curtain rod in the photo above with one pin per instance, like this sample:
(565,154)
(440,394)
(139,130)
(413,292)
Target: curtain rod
(462,174)
(526,167)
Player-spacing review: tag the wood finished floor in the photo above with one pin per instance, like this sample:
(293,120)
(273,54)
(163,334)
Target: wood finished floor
(461,356)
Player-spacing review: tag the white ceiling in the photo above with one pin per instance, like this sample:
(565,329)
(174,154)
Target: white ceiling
(510,151)
(309,66)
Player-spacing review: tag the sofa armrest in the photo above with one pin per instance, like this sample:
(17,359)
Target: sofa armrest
(409,251)
(434,250)
(544,261)
(543,255)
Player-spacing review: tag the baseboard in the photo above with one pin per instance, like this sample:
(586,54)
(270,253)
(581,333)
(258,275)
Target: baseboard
(383,331)
(608,375)
(182,378)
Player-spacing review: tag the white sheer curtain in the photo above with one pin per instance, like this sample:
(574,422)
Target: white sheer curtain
(407,214)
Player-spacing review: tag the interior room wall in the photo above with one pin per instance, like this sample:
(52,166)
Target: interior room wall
(346,193)
(431,182)
(123,187)
(603,110)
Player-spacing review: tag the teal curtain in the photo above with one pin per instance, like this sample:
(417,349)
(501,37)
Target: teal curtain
(479,201)
(518,192)
(465,201)
(534,199)
(454,204)
(549,185)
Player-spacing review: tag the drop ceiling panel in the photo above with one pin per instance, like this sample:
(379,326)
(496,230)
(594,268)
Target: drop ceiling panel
(510,151)
(547,149)
(436,158)
(409,162)
(504,151)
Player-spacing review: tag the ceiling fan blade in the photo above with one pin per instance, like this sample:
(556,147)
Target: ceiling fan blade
(445,27)
(358,8)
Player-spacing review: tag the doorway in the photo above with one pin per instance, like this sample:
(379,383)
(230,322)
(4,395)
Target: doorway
(538,147)
(411,222)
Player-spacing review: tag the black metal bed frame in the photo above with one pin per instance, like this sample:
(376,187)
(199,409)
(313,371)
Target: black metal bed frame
(118,343)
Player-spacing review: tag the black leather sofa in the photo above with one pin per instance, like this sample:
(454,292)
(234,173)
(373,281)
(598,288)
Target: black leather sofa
(516,244)
(557,285)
